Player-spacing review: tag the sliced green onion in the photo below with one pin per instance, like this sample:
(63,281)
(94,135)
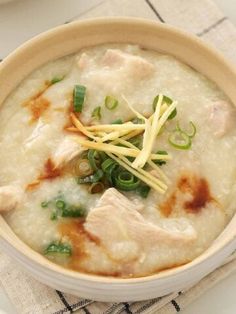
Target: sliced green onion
(137,121)
(143,190)
(193,130)
(117,121)
(58,248)
(44,204)
(97,176)
(54,215)
(180,140)
(94,159)
(109,166)
(136,141)
(126,181)
(57,79)
(166,100)
(102,155)
(78,97)
(73,211)
(60,204)
(111,103)
(173,114)
(97,187)
(83,168)
(96,114)
(160,162)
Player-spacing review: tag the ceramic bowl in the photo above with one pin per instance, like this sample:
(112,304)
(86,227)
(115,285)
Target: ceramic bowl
(69,39)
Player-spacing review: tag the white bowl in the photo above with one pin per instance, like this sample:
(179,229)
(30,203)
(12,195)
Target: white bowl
(68,39)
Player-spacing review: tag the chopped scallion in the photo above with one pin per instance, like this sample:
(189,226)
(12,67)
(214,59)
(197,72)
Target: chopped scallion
(57,79)
(192,132)
(117,121)
(94,159)
(96,114)
(166,100)
(180,140)
(54,215)
(126,181)
(143,190)
(73,211)
(44,204)
(83,168)
(137,121)
(96,187)
(97,176)
(60,204)
(111,103)
(58,248)
(160,162)
(136,141)
(78,97)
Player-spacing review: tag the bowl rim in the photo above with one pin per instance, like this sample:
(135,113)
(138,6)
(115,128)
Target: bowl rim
(37,257)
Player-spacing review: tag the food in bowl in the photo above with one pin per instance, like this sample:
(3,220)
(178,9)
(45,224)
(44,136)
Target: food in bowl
(117,161)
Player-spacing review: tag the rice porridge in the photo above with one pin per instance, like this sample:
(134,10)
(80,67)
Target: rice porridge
(117,161)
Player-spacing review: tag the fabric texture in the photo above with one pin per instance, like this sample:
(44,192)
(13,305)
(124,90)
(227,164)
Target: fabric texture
(205,20)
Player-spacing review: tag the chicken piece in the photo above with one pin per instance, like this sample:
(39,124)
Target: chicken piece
(112,196)
(68,149)
(222,118)
(136,66)
(10,196)
(124,232)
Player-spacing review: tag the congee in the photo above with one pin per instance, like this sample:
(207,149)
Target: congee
(117,161)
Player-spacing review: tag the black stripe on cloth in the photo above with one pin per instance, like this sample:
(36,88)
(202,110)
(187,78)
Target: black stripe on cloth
(112,308)
(74,306)
(147,305)
(126,308)
(155,10)
(81,303)
(208,29)
(176,305)
(86,311)
(63,299)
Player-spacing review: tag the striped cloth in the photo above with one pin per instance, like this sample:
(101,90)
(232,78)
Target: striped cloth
(202,18)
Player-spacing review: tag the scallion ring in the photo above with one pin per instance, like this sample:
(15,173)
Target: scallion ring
(109,166)
(96,114)
(97,176)
(166,100)
(117,121)
(160,162)
(78,97)
(44,204)
(94,159)
(136,141)
(58,248)
(74,211)
(57,79)
(126,181)
(83,168)
(111,103)
(96,187)
(192,132)
(60,204)
(143,190)
(180,140)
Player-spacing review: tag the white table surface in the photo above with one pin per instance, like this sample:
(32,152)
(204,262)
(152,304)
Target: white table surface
(15,27)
